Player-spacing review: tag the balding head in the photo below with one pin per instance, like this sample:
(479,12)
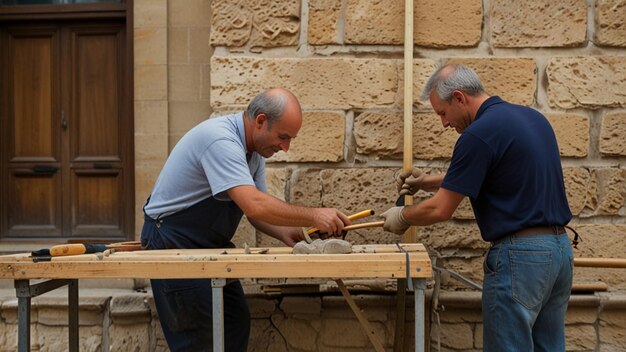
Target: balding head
(453,77)
(275,103)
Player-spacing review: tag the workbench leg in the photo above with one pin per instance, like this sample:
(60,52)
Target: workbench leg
(218,314)
(23,317)
(420,318)
(72,298)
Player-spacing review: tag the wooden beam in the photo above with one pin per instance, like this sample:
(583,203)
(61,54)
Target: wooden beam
(600,262)
(365,324)
(407,156)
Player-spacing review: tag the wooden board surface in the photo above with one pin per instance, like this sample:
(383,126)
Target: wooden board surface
(368,261)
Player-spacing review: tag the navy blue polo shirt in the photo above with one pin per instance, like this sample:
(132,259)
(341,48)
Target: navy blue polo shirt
(507,162)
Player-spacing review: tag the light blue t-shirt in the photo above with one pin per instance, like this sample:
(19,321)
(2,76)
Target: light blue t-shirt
(210,159)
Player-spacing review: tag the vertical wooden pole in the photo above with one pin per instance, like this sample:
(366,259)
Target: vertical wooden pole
(407,160)
(407,164)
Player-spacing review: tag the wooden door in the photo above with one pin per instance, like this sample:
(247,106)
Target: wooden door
(66,138)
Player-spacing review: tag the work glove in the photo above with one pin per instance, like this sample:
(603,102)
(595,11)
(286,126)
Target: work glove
(409,182)
(395,221)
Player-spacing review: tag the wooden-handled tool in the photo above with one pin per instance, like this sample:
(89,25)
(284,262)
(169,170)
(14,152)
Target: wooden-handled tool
(85,248)
(359,215)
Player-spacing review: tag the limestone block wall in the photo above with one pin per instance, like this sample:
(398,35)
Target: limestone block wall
(344,61)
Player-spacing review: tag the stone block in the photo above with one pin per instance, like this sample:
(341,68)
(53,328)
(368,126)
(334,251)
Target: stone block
(178,45)
(150,46)
(451,234)
(276,181)
(343,333)
(460,315)
(261,307)
(130,309)
(609,29)
(320,139)
(460,27)
(587,82)
(305,188)
(601,241)
(382,22)
(297,306)
(455,336)
(189,13)
(300,334)
(613,134)
(541,23)
(513,79)
(430,139)
(150,117)
(200,51)
(577,186)
(149,13)
(265,337)
(323,24)
(380,133)
(133,337)
(184,115)
(374,22)
(150,82)
(581,315)
(184,82)
(55,338)
(319,83)
(374,190)
(257,24)
(422,70)
(580,337)
(572,134)
(606,193)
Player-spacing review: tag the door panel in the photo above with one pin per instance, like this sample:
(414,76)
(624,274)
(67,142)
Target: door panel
(97,210)
(33,67)
(34,202)
(96,75)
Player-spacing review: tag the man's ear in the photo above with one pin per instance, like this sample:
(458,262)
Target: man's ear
(260,119)
(459,97)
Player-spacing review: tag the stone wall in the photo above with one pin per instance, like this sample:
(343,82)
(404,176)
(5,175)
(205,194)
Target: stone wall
(127,321)
(344,60)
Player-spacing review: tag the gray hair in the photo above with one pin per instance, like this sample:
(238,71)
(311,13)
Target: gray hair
(268,103)
(460,78)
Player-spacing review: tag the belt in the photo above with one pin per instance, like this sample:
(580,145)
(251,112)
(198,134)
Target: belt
(533,231)
(540,230)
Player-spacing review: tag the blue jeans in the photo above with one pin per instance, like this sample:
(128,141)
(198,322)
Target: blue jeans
(527,285)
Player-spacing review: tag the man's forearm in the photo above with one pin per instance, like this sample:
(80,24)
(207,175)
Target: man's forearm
(433,182)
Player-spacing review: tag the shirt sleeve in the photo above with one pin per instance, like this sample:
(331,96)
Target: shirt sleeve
(225,166)
(471,161)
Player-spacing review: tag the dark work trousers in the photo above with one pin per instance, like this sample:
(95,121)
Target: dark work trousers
(184,305)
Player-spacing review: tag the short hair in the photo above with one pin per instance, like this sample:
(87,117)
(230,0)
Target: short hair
(460,78)
(268,103)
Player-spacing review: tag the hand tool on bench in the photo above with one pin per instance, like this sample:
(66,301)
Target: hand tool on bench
(359,215)
(85,248)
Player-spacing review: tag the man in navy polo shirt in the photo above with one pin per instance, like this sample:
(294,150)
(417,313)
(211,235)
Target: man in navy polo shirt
(506,161)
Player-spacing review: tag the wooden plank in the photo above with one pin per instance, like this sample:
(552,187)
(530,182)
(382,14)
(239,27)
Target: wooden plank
(365,268)
(600,262)
(365,324)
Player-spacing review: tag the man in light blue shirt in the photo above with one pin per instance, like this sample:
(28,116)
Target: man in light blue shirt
(214,175)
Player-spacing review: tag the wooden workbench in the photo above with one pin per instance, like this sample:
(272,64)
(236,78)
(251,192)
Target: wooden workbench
(408,261)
